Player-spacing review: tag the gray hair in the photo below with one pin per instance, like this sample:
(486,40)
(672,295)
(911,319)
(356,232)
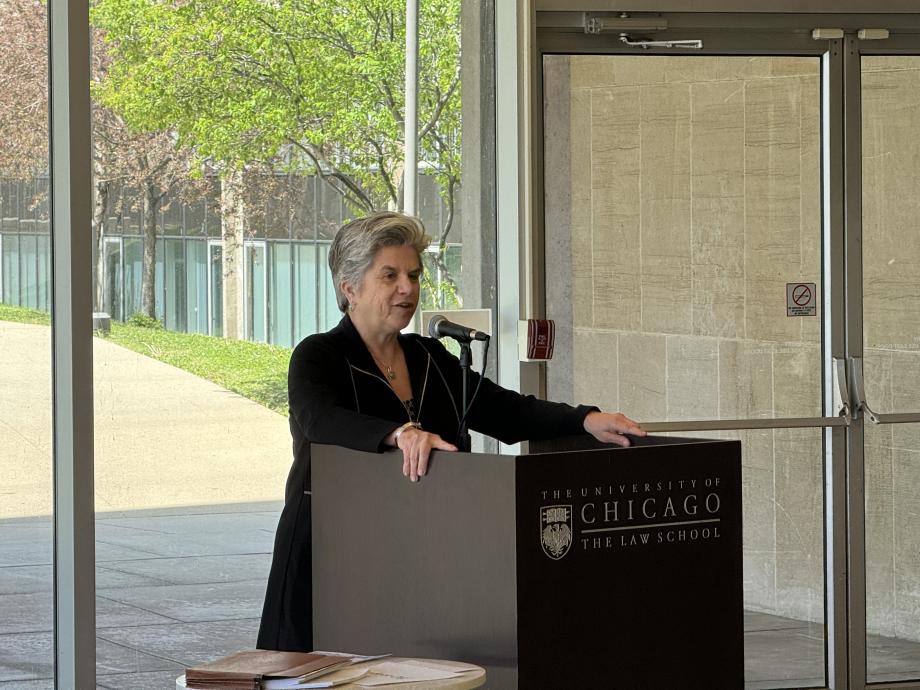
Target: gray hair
(357,243)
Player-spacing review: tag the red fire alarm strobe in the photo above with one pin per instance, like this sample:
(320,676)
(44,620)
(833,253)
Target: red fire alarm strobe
(537,337)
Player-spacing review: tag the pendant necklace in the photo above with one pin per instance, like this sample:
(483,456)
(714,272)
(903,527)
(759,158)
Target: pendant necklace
(390,373)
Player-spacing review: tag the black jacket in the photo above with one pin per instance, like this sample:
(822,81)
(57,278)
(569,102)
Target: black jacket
(338,395)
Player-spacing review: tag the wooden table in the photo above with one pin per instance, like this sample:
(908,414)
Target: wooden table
(474,678)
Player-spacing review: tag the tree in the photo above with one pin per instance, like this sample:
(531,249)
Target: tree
(23,88)
(317,84)
(152,165)
(149,162)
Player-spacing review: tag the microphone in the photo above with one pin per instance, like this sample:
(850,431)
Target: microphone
(440,327)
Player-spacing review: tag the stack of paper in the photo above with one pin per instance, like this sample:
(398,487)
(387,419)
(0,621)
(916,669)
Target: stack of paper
(407,671)
(371,674)
(325,679)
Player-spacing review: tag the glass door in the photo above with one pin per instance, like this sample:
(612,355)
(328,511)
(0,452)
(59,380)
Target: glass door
(884,79)
(682,202)
(694,182)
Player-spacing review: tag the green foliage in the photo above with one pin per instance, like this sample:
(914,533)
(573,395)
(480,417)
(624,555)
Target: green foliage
(23,315)
(254,370)
(319,83)
(438,294)
(142,320)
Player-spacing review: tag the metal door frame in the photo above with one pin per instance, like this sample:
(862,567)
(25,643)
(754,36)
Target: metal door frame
(844,499)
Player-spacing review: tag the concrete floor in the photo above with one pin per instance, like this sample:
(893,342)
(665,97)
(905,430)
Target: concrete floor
(173,589)
(179,587)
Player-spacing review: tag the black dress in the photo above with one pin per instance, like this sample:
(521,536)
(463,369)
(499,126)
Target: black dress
(337,395)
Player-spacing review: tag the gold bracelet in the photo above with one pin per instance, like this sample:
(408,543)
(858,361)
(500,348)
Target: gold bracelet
(407,425)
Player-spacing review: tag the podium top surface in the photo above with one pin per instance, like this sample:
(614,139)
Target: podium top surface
(473,677)
(588,442)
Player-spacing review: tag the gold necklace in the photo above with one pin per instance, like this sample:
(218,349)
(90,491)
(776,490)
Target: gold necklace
(390,373)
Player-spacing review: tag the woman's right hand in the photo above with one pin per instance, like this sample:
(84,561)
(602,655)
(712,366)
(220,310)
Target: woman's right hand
(416,446)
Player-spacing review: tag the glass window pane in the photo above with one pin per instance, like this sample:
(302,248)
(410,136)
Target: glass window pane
(133,249)
(194,212)
(256,307)
(28,266)
(176,286)
(215,289)
(330,210)
(196,290)
(280,295)
(891,244)
(159,280)
(189,474)
(278,207)
(173,221)
(43,277)
(783,504)
(303,189)
(682,194)
(114,219)
(9,214)
(892,552)
(305,291)
(329,314)
(212,208)
(131,211)
(891,328)
(429,205)
(112,283)
(11,271)
(26,432)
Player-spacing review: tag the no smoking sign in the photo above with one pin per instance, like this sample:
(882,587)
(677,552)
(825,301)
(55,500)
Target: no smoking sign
(801,299)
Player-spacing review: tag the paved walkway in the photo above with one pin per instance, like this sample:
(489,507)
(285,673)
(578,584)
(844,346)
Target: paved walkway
(164,437)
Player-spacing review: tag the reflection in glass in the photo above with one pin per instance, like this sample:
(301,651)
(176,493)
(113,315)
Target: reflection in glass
(891,327)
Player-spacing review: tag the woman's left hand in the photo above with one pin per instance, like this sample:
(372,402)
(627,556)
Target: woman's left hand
(610,427)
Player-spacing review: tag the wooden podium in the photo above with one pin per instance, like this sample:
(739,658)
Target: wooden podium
(583,566)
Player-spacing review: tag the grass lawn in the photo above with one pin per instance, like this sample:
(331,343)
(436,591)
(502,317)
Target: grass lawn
(254,370)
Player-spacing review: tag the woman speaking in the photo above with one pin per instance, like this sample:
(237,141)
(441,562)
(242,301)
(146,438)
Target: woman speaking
(366,385)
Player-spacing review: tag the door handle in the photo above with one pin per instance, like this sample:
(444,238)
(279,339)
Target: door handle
(841,389)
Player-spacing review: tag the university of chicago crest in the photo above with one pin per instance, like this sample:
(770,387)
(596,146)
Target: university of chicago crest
(556,530)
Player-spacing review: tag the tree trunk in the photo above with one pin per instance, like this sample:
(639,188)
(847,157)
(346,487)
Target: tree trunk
(100,210)
(233,227)
(152,198)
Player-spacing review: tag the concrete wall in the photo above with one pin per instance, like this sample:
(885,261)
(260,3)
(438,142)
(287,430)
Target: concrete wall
(682,194)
